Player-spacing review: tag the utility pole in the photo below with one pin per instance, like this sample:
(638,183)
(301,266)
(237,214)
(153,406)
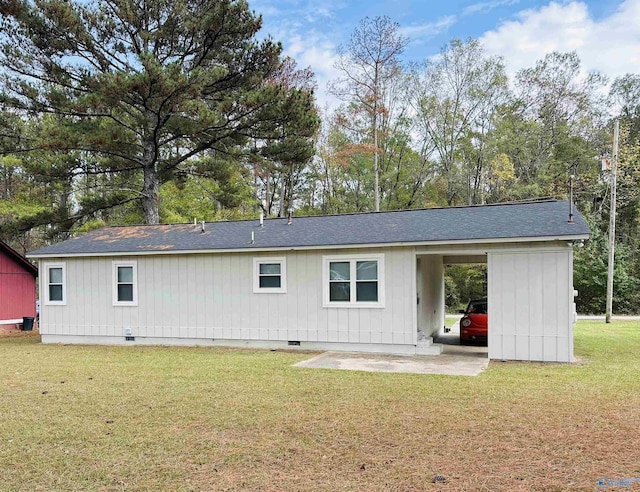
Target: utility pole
(612,221)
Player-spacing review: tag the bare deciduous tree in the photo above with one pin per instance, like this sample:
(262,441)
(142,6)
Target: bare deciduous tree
(456,94)
(369,59)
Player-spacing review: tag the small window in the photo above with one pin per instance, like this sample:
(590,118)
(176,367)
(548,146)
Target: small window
(56,291)
(125,290)
(367,281)
(353,281)
(269,275)
(339,281)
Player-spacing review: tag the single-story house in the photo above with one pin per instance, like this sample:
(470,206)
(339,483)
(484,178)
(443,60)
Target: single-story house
(17,286)
(371,282)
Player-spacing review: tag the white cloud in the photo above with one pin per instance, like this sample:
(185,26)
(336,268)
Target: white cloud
(316,51)
(264,8)
(610,45)
(417,31)
(293,23)
(484,7)
(315,14)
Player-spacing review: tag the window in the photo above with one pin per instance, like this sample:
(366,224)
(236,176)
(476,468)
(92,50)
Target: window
(56,289)
(353,281)
(269,275)
(340,281)
(125,280)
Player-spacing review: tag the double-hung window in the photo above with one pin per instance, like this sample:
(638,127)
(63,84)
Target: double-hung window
(56,284)
(125,280)
(269,275)
(353,281)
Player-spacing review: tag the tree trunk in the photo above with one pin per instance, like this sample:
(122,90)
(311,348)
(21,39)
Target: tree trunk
(281,204)
(376,179)
(150,162)
(150,191)
(151,185)
(5,182)
(267,197)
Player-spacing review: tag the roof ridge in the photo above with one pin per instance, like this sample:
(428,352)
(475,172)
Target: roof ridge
(508,221)
(475,205)
(457,207)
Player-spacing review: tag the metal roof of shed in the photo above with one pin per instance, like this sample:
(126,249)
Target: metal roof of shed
(536,221)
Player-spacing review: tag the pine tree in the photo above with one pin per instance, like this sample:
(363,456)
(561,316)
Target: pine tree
(141,87)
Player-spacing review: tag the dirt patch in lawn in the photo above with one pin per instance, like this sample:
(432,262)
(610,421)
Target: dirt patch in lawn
(11,331)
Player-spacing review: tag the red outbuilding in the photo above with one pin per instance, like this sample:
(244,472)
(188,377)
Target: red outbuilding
(17,287)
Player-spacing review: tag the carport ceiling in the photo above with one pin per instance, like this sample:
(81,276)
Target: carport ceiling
(457,259)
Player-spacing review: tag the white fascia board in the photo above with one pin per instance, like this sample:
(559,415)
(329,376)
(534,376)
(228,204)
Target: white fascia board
(319,247)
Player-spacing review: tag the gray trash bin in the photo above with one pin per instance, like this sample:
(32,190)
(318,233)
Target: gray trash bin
(27,323)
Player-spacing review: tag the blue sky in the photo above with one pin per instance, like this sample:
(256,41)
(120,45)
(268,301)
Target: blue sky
(604,33)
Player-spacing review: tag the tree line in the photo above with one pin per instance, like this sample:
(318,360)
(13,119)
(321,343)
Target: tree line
(118,112)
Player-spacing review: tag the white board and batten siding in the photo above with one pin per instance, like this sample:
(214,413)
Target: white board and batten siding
(209,299)
(431,294)
(531,310)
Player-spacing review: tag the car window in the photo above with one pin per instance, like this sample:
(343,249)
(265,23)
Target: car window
(477,307)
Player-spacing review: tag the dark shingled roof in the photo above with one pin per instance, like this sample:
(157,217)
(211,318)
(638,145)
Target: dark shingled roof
(541,220)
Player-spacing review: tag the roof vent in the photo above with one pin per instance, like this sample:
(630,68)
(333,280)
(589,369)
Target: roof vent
(202,229)
(290,217)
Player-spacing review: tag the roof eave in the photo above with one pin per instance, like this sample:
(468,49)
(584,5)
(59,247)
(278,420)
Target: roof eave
(253,249)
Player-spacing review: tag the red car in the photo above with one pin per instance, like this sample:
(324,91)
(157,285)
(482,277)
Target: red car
(474,323)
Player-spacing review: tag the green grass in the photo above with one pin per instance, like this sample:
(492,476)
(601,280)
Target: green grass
(152,418)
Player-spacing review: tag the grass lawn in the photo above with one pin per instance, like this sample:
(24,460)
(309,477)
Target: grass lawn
(153,418)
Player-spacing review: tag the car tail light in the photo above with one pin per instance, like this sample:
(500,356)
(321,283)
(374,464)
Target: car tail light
(466,322)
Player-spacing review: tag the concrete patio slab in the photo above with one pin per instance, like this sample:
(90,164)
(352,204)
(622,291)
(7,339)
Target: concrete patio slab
(463,361)
(455,359)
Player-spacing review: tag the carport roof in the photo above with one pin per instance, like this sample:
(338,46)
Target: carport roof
(536,221)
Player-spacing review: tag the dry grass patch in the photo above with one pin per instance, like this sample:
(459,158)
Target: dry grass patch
(151,418)
(12,331)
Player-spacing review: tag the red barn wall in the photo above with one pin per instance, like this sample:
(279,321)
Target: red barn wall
(17,290)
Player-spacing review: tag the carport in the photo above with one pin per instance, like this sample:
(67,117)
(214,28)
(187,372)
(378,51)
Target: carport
(530,295)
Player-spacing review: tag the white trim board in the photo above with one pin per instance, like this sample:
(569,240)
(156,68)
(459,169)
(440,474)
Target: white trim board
(393,349)
(248,249)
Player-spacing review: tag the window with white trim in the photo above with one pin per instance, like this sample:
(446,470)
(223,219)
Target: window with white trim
(353,281)
(125,283)
(56,284)
(270,275)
